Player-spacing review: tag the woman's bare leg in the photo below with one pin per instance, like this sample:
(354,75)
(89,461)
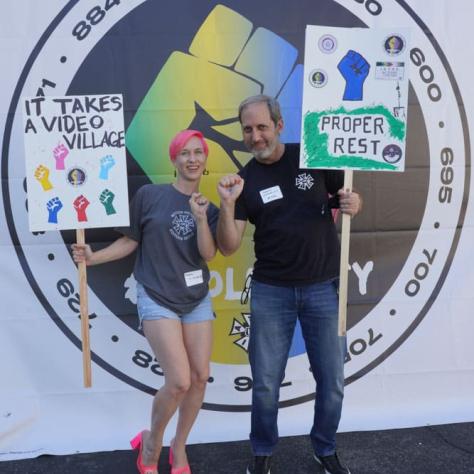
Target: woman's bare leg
(198,343)
(166,338)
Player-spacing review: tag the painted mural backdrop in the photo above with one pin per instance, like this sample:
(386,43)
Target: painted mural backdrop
(186,64)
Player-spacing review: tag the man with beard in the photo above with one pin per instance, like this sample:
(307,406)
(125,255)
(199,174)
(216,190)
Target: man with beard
(295,276)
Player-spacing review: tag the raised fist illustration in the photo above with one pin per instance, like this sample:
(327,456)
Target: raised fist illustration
(106,198)
(202,88)
(106,163)
(42,175)
(354,69)
(54,205)
(80,205)
(60,153)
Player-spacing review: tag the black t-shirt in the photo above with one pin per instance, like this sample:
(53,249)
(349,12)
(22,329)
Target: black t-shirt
(295,237)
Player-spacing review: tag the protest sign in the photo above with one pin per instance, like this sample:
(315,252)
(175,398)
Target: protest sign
(76,173)
(355,98)
(354,115)
(75,162)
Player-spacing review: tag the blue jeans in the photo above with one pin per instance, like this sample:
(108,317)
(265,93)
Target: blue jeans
(274,312)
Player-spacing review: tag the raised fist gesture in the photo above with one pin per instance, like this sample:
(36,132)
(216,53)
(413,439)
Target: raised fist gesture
(230,187)
(199,205)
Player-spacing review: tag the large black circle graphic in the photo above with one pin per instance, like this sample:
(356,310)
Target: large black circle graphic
(104,71)
(148,61)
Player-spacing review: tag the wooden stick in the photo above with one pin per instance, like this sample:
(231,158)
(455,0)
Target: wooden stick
(86,350)
(344,267)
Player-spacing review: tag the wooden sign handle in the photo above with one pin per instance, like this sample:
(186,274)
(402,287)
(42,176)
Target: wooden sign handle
(344,266)
(86,350)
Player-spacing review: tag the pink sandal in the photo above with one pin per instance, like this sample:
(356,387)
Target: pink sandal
(137,443)
(177,470)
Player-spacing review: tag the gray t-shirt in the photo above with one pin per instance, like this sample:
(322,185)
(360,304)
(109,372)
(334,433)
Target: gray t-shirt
(168,263)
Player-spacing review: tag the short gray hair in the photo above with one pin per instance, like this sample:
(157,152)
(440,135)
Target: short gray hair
(272,104)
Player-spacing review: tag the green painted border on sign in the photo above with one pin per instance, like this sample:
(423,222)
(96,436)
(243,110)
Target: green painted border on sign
(316,143)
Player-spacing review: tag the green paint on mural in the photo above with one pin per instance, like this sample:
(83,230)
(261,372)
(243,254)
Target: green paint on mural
(316,143)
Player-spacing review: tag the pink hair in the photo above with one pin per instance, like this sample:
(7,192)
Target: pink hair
(180,140)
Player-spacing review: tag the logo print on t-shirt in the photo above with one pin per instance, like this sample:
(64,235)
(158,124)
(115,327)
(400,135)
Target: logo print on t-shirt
(241,329)
(304,181)
(182,225)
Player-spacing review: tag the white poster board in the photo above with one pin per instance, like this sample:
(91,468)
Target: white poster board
(75,162)
(355,98)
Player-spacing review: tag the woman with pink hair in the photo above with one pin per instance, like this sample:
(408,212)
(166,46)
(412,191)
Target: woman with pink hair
(172,228)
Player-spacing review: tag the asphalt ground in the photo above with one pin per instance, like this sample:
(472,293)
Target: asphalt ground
(447,449)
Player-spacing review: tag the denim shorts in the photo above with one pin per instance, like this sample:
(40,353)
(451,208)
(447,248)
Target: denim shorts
(149,309)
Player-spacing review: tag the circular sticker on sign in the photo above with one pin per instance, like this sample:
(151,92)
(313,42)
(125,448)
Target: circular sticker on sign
(327,44)
(392,153)
(76,176)
(318,78)
(394,45)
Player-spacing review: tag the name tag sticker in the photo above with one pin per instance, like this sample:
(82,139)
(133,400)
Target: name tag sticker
(193,278)
(271,194)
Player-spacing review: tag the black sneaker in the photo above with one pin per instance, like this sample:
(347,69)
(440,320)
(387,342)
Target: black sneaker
(260,465)
(332,464)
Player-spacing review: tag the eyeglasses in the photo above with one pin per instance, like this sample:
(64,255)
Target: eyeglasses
(244,296)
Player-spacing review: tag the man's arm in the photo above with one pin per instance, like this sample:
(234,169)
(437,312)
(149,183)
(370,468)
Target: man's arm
(229,229)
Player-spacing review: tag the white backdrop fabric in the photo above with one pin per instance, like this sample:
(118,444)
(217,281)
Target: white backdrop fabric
(429,379)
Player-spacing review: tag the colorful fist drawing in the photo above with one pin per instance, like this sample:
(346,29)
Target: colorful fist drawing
(80,205)
(202,89)
(42,175)
(60,153)
(354,69)
(106,163)
(54,205)
(106,198)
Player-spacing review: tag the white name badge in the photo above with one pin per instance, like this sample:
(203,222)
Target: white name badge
(193,278)
(271,194)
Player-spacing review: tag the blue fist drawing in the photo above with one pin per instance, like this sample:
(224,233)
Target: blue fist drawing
(106,163)
(354,69)
(54,205)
